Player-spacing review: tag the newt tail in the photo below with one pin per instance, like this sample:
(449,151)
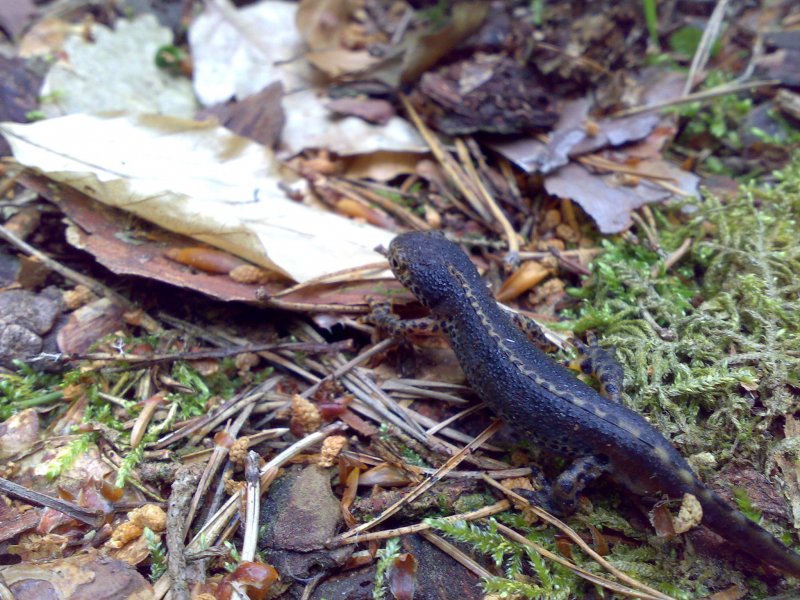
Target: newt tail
(545,403)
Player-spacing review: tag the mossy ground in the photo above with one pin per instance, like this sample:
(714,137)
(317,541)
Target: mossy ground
(711,352)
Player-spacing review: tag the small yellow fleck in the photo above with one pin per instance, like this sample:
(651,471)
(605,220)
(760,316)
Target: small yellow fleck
(600,412)
(662,454)
(686,475)
(633,430)
(578,401)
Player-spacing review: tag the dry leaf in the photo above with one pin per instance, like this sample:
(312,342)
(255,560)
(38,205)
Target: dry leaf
(237,53)
(88,575)
(114,70)
(322,24)
(607,200)
(198,180)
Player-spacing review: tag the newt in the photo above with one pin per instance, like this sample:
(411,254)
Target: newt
(546,403)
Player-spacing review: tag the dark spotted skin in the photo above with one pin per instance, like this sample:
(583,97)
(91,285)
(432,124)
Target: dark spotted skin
(544,402)
(601,363)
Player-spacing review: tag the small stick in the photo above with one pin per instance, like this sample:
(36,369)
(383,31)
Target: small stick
(455,554)
(703,52)
(95,286)
(252,506)
(450,166)
(359,273)
(675,255)
(307,307)
(602,581)
(348,189)
(698,96)
(558,523)
(488,201)
(346,367)
(143,361)
(428,483)
(93,518)
(185,480)
(459,415)
(486,511)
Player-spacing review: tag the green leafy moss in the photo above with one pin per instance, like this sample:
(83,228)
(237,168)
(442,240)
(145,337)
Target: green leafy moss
(745,504)
(711,349)
(132,459)
(388,555)
(158,555)
(709,345)
(26,388)
(71,453)
(526,573)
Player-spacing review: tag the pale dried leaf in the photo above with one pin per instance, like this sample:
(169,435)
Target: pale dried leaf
(310,124)
(237,53)
(116,70)
(198,180)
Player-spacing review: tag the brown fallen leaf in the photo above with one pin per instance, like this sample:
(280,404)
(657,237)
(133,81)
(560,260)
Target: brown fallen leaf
(371,110)
(105,233)
(88,575)
(402,576)
(323,25)
(608,200)
(88,324)
(530,274)
(576,133)
(259,117)
(15,520)
(662,521)
(203,258)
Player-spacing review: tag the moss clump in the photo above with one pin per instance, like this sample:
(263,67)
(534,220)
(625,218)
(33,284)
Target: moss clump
(711,350)
(526,573)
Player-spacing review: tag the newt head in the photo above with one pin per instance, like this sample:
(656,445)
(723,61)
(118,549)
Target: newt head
(425,261)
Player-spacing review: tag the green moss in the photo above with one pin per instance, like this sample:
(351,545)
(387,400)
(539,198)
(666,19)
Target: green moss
(718,120)
(526,573)
(132,459)
(745,504)
(469,502)
(711,349)
(389,553)
(26,388)
(74,450)
(158,554)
